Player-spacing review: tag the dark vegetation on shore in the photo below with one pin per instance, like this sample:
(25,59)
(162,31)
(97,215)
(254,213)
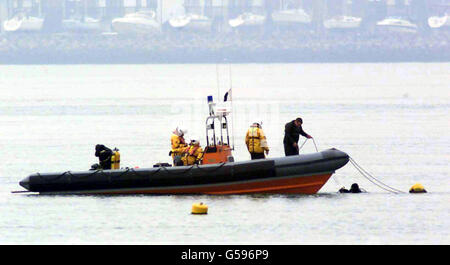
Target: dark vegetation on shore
(237,47)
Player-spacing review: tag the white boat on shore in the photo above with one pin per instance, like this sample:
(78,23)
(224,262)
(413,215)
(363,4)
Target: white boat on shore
(397,25)
(23,22)
(247,20)
(439,22)
(192,22)
(82,25)
(291,16)
(142,22)
(342,22)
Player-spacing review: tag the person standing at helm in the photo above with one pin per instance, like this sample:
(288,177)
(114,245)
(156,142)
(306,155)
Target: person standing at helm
(193,154)
(256,141)
(178,146)
(292,131)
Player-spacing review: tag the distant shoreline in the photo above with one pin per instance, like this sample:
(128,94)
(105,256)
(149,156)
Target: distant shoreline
(130,62)
(183,48)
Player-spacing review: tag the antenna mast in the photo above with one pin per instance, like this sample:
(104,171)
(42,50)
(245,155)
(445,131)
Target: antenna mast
(218,83)
(232,108)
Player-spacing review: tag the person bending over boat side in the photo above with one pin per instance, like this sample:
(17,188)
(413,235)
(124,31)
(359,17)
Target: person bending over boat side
(256,141)
(104,155)
(178,146)
(292,132)
(193,154)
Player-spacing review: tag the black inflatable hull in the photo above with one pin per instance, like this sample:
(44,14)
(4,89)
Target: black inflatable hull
(303,174)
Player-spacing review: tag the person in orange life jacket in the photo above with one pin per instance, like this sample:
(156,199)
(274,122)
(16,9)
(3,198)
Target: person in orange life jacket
(193,154)
(292,131)
(178,146)
(104,155)
(256,141)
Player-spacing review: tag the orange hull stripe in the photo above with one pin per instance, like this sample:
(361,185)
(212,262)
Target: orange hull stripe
(268,189)
(295,185)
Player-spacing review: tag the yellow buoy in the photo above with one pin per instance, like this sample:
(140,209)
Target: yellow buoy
(199,208)
(417,188)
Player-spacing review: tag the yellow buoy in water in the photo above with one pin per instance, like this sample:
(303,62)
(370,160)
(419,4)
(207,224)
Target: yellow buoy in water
(417,188)
(199,208)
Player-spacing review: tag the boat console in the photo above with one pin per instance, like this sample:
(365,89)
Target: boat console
(218,148)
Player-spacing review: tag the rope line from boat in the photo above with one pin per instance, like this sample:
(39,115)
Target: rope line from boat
(191,167)
(66,173)
(118,176)
(129,170)
(301,146)
(317,150)
(372,179)
(145,175)
(179,173)
(135,173)
(87,175)
(213,170)
(50,179)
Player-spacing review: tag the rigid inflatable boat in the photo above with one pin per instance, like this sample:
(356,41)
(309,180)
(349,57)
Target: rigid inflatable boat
(302,174)
(217,173)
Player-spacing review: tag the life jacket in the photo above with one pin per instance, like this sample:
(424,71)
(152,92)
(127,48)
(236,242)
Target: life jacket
(193,155)
(178,145)
(256,140)
(193,149)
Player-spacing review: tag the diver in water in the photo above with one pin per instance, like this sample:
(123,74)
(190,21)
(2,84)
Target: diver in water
(353,189)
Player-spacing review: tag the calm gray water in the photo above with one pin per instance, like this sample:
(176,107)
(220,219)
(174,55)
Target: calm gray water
(393,119)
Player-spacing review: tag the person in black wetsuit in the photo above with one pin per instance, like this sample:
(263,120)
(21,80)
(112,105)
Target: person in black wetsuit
(292,131)
(104,156)
(354,189)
